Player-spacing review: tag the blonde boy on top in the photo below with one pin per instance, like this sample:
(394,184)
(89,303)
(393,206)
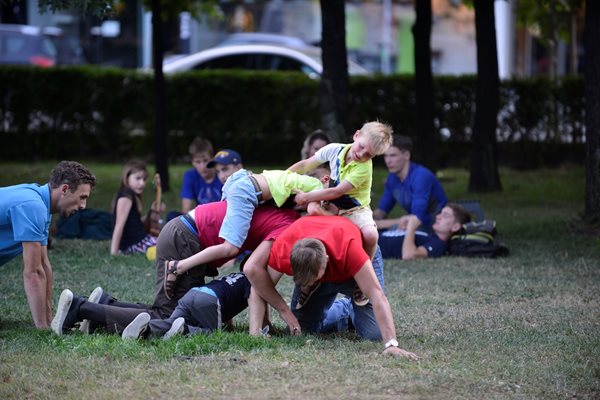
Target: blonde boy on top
(351,177)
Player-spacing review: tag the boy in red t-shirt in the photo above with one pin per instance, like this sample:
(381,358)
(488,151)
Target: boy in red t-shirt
(324,253)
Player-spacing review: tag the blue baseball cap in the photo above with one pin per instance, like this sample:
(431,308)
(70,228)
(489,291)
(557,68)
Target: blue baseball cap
(225,157)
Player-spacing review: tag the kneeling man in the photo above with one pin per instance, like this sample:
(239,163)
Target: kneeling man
(326,257)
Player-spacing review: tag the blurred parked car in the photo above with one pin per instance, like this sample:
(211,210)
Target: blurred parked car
(42,47)
(257,57)
(263,38)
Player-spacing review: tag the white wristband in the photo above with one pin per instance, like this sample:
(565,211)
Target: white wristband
(391,342)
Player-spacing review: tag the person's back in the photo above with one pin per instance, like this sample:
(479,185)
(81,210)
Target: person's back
(19,205)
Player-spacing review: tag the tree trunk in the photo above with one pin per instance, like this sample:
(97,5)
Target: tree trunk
(160,98)
(335,85)
(484,175)
(425,135)
(592,116)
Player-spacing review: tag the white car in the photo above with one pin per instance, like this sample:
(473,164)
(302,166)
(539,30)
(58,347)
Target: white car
(257,57)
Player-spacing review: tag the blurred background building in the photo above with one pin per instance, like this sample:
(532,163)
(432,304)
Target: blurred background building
(378,33)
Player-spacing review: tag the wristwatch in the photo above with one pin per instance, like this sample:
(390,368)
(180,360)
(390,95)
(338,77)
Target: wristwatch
(391,342)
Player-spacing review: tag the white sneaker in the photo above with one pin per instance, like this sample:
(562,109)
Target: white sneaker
(64,303)
(135,329)
(95,296)
(176,328)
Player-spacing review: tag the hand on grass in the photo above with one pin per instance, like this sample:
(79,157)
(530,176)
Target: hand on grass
(398,352)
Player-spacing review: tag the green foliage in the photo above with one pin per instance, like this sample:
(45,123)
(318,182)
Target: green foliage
(99,8)
(548,16)
(109,113)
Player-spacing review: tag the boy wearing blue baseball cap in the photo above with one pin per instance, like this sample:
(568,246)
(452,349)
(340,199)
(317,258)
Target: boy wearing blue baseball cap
(244,192)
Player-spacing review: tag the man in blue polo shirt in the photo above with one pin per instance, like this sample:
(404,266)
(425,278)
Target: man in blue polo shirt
(25,216)
(415,188)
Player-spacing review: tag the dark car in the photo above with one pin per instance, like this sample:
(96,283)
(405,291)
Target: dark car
(42,47)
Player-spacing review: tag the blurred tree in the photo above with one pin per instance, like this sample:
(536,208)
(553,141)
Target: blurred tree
(592,114)
(425,143)
(161,10)
(335,84)
(552,19)
(484,176)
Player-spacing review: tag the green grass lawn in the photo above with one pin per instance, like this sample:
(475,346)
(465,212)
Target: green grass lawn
(526,326)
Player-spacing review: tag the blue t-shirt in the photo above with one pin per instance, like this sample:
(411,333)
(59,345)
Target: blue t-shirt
(24,217)
(195,187)
(420,194)
(391,242)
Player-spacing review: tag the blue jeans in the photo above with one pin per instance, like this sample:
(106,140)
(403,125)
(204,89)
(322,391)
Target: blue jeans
(322,313)
(241,197)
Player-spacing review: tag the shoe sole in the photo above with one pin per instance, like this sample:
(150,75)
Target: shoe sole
(95,297)
(64,303)
(136,327)
(176,328)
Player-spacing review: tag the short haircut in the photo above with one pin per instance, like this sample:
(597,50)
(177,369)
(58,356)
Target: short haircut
(379,136)
(404,143)
(200,145)
(306,258)
(320,171)
(461,215)
(71,173)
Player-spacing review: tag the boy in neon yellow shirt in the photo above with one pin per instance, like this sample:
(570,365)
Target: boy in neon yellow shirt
(243,191)
(351,177)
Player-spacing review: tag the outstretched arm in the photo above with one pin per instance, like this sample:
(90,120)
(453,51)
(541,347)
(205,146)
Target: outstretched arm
(37,278)
(264,285)
(303,166)
(368,283)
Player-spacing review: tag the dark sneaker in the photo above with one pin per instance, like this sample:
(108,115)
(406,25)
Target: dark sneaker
(95,297)
(359,298)
(305,295)
(177,328)
(137,327)
(64,304)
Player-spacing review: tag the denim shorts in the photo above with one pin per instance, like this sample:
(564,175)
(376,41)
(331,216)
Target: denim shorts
(242,200)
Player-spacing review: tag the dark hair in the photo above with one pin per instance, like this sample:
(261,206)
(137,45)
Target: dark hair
(403,142)
(317,134)
(71,173)
(461,215)
(200,145)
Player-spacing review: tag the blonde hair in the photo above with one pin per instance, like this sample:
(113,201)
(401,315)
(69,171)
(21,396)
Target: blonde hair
(379,136)
(307,258)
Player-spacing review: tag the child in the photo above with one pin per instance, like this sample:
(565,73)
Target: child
(243,191)
(129,233)
(202,310)
(351,177)
(200,185)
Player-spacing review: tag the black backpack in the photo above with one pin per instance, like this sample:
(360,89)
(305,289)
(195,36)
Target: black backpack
(477,239)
